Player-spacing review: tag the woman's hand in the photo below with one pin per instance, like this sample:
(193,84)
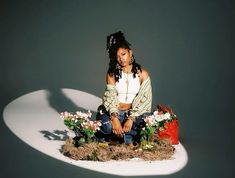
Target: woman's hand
(127,126)
(117,128)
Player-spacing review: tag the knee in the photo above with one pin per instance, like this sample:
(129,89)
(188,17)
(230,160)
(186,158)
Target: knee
(140,119)
(106,127)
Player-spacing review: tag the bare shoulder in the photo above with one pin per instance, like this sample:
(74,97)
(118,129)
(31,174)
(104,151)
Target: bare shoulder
(144,74)
(110,79)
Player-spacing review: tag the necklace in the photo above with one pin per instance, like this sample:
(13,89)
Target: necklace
(127,80)
(127,84)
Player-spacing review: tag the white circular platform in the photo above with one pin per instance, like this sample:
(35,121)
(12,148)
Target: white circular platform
(32,118)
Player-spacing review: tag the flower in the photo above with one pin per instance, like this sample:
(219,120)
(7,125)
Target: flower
(80,123)
(155,122)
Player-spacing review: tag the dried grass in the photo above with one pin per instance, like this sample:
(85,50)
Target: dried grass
(162,150)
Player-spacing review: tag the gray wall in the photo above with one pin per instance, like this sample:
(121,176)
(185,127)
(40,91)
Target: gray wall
(187,47)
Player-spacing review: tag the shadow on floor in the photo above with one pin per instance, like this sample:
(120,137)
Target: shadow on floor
(59,135)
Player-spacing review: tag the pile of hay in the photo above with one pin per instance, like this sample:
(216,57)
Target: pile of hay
(106,151)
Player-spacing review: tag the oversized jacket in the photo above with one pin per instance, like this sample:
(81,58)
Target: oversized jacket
(140,105)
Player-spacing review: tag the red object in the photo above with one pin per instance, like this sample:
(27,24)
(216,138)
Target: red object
(164,109)
(170,132)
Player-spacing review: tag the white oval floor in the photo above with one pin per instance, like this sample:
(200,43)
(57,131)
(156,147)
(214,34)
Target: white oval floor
(32,118)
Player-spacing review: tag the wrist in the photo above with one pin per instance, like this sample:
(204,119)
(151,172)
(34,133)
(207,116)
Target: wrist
(113,115)
(132,118)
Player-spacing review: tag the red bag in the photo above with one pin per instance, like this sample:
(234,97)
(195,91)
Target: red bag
(170,132)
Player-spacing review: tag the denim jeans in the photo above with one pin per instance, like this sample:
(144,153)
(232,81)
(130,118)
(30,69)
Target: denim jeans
(106,127)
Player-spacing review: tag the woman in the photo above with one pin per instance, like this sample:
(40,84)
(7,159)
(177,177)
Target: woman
(128,95)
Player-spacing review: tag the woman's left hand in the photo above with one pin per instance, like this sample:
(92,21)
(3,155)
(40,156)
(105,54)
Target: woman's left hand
(127,126)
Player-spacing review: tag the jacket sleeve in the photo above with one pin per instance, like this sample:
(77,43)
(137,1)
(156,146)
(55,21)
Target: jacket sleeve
(143,101)
(110,99)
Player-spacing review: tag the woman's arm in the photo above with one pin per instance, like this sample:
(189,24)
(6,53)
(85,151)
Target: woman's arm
(143,101)
(110,102)
(143,75)
(110,79)
(110,97)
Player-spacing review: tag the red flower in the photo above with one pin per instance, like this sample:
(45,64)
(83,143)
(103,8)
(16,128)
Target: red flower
(164,109)
(170,132)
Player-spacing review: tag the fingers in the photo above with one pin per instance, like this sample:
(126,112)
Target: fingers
(127,126)
(126,129)
(118,131)
(117,128)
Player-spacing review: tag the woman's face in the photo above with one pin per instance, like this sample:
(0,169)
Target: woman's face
(124,56)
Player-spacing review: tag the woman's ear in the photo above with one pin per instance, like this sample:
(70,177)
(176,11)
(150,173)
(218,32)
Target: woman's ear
(131,53)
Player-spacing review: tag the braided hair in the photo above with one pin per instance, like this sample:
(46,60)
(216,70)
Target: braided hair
(114,42)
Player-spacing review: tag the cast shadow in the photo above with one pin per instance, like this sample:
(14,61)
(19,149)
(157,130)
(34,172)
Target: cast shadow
(57,135)
(60,102)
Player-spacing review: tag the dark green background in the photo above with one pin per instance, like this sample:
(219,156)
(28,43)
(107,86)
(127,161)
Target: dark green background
(187,47)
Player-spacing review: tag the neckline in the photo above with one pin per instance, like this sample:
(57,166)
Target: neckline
(127,73)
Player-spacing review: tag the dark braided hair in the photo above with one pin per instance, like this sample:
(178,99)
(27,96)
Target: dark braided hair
(114,42)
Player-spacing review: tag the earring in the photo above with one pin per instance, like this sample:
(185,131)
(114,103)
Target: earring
(132,60)
(118,66)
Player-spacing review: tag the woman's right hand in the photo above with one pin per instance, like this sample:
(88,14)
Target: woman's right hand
(117,128)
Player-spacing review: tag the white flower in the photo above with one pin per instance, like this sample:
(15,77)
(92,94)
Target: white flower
(63,115)
(160,118)
(155,113)
(167,116)
(148,146)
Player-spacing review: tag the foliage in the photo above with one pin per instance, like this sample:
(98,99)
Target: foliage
(80,123)
(153,123)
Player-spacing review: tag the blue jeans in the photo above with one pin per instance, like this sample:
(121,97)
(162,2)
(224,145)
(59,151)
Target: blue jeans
(106,127)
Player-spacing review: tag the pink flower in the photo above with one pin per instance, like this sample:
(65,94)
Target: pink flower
(65,114)
(149,120)
(89,114)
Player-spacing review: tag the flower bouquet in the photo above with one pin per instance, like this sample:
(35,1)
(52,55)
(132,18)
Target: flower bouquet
(162,124)
(169,128)
(80,123)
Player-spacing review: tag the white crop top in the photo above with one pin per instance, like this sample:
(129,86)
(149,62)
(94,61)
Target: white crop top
(127,87)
